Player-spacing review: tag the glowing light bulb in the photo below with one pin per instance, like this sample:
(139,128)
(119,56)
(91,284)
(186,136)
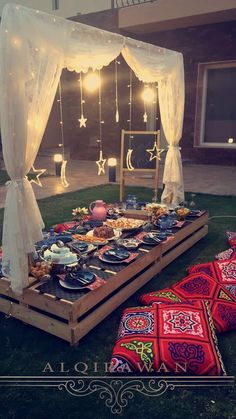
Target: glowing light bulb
(230,140)
(148,95)
(57,158)
(112,162)
(16,42)
(91,82)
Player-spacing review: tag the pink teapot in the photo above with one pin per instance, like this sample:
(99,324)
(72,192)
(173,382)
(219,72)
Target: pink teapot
(98,210)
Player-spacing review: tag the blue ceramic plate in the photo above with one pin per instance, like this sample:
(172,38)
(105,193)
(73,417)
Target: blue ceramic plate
(78,280)
(151,240)
(116,254)
(80,246)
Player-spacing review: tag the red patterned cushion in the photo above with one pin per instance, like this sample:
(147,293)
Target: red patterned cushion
(226,271)
(207,268)
(177,338)
(226,254)
(231,236)
(166,295)
(199,286)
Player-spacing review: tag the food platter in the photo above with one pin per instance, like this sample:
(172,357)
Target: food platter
(98,239)
(125,224)
(89,238)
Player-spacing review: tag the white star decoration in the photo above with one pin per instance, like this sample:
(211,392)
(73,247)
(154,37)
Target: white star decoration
(155,152)
(101,163)
(82,121)
(40,172)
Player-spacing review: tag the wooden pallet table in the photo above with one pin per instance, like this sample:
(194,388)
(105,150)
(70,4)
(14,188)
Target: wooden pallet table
(70,315)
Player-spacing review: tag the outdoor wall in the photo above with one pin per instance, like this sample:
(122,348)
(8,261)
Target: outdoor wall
(67,8)
(214,42)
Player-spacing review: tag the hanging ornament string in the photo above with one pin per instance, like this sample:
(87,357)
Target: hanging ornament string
(130,149)
(82,120)
(145,118)
(64,162)
(116,99)
(101,162)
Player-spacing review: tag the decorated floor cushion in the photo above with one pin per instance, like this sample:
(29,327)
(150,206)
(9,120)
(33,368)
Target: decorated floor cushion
(223,271)
(226,254)
(166,295)
(199,286)
(231,237)
(206,268)
(175,338)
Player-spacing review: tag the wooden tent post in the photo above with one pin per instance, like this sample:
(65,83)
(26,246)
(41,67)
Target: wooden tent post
(124,170)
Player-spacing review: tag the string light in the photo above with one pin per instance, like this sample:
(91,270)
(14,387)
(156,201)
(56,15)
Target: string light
(130,149)
(101,162)
(116,99)
(64,162)
(82,120)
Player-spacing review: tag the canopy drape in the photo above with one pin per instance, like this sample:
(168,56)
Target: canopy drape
(34,48)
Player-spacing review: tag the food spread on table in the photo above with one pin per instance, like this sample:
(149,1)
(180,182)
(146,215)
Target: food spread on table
(65,253)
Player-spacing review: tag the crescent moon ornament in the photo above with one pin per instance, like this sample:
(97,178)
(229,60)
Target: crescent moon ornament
(128,159)
(64,182)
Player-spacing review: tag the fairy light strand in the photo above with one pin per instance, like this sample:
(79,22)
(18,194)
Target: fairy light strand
(64,162)
(130,106)
(116,97)
(130,150)
(82,120)
(101,162)
(61,121)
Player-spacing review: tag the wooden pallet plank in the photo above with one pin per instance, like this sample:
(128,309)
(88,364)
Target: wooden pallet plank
(36,319)
(89,300)
(177,251)
(184,232)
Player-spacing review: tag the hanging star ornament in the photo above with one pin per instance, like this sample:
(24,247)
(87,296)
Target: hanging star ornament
(101,163)
(155,152)
(38,173)
(82,121)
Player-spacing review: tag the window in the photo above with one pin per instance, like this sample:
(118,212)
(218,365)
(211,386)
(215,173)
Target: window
(215,122)
(55,4)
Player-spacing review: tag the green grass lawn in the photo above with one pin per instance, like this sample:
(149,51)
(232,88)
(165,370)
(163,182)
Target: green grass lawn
(26,350)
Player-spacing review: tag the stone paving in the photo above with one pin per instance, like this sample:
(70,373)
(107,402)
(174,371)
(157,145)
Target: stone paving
(216,180)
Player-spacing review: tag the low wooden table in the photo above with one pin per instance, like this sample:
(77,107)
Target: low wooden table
(70,315)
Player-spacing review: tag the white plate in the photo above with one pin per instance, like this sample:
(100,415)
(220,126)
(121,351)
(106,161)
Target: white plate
(116,236)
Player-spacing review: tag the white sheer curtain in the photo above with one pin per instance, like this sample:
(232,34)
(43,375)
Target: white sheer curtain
(171,99)
(30,68)
(34,48)
(155,64)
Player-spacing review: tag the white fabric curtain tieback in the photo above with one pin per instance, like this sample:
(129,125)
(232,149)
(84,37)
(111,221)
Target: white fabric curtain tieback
(15,182)
(174,146)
